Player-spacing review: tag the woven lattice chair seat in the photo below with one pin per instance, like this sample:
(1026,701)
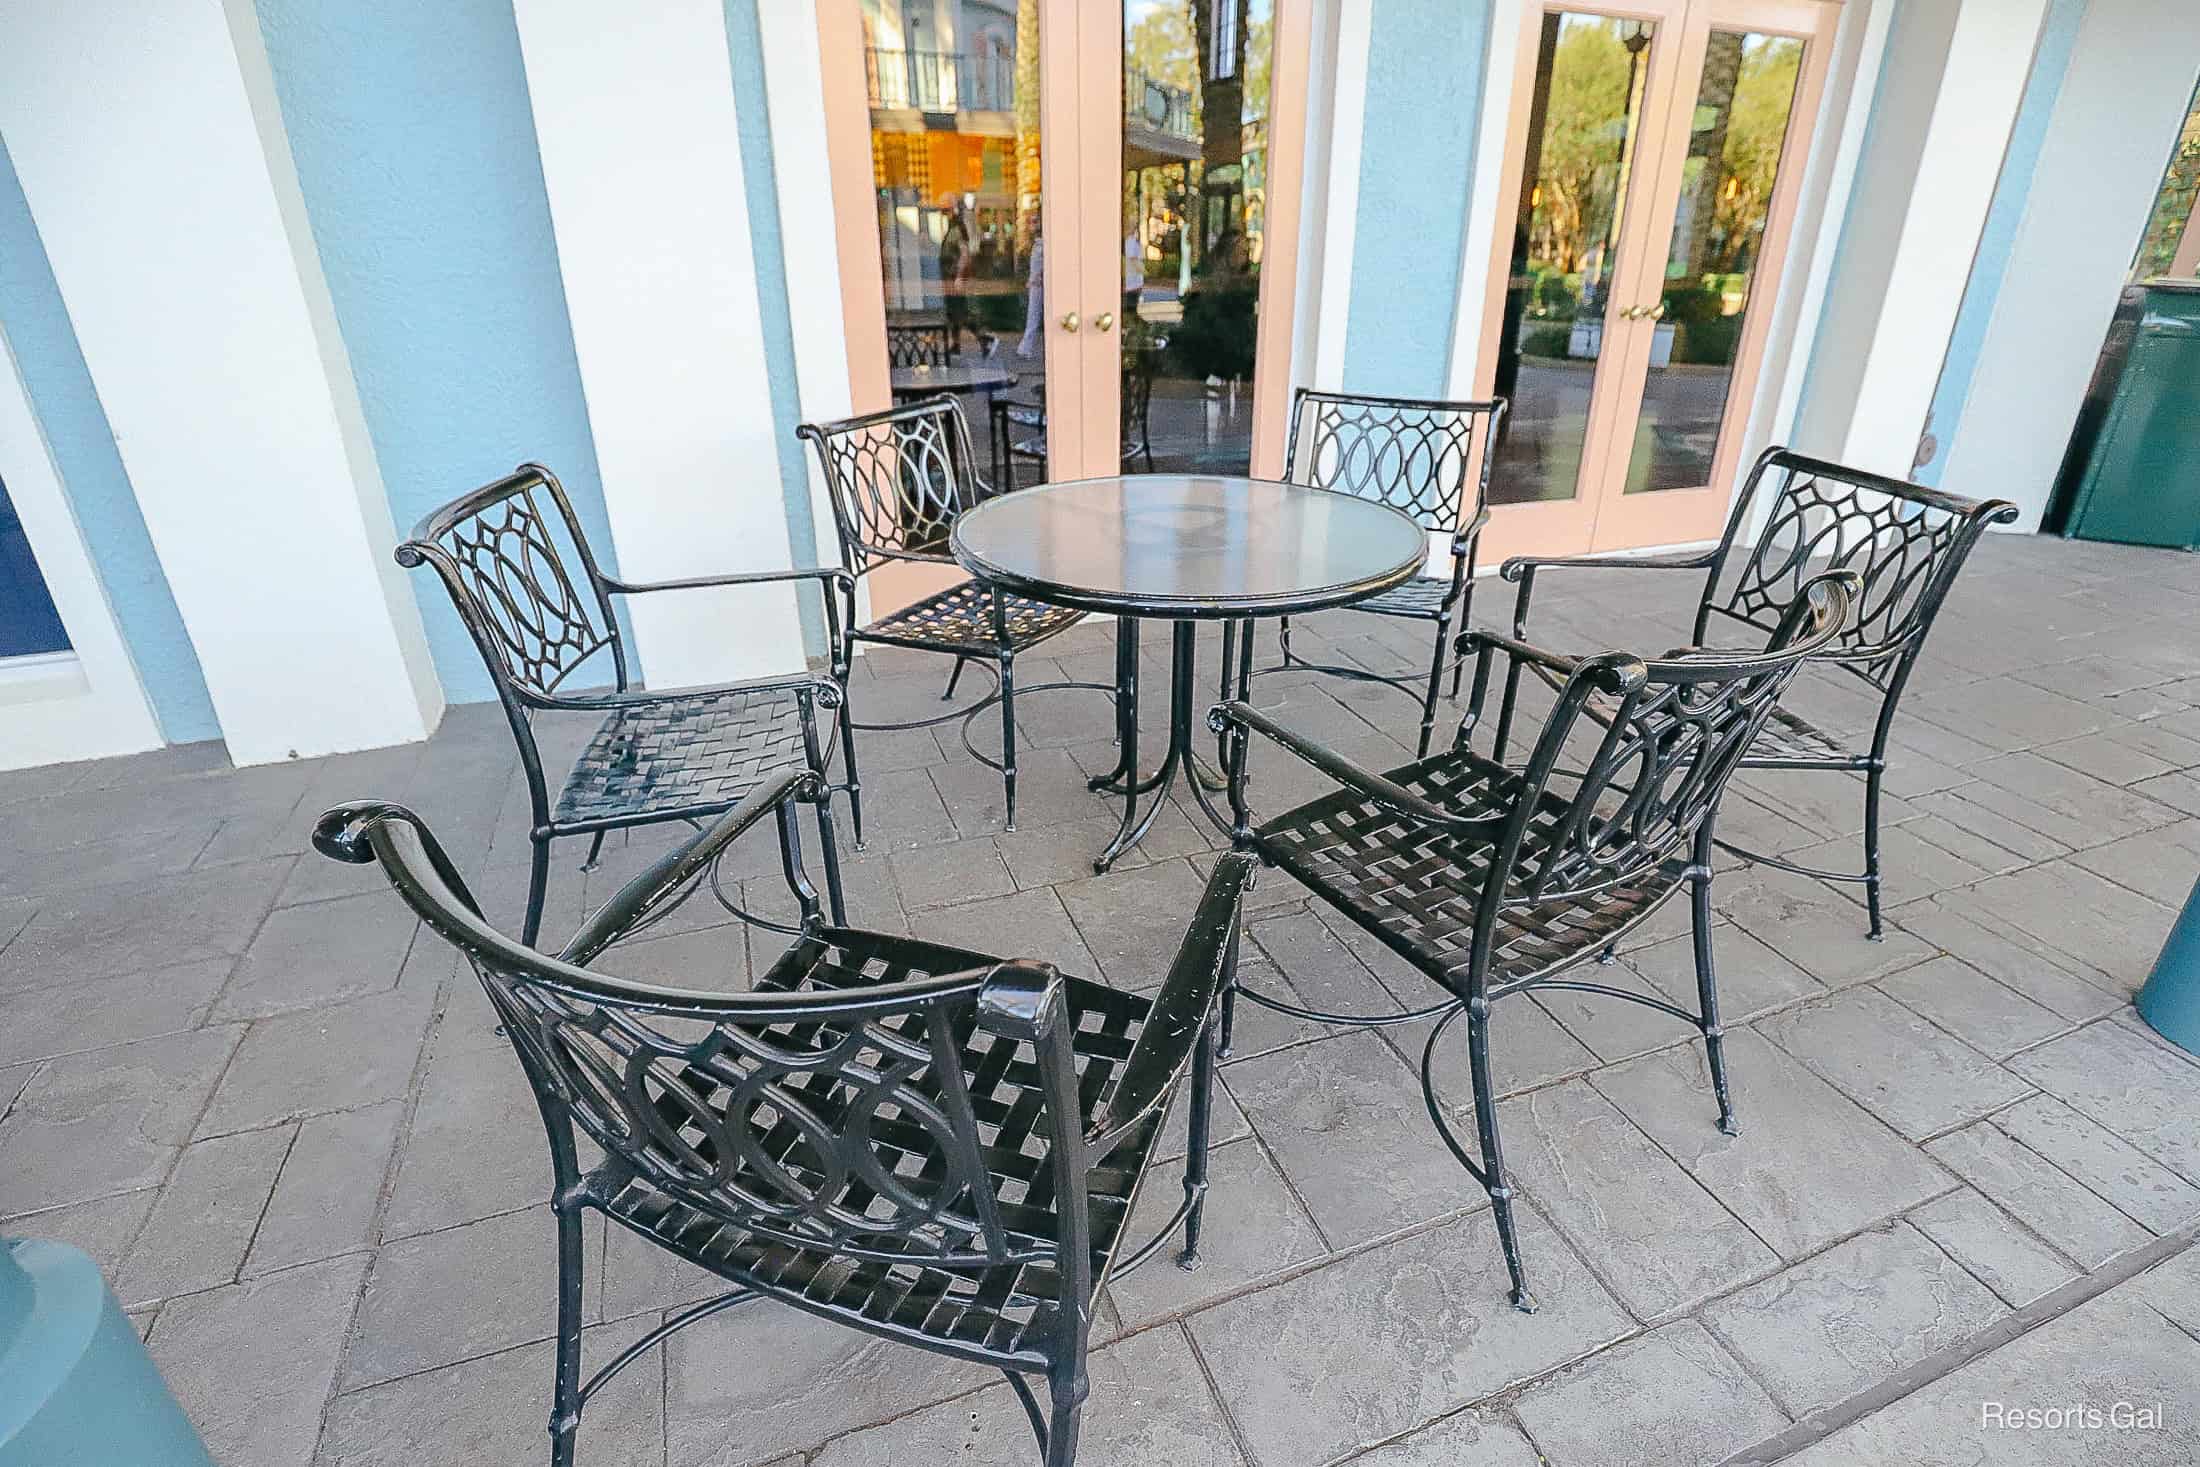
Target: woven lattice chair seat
(683,755)
(1788,737)
(1417,887)
(1421,597)
(962,617)
(994,1307)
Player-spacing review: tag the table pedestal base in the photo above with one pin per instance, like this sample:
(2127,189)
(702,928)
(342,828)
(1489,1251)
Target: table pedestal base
(1180,759)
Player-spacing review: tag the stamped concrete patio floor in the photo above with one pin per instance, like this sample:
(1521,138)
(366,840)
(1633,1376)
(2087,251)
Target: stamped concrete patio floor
(1968,1177)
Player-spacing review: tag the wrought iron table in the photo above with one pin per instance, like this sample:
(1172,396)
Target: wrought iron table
(1182,548)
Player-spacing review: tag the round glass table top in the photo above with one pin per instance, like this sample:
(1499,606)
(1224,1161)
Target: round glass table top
(1188,545)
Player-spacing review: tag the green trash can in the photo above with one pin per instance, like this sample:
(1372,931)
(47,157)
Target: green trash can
(2141,481)
(77,1388)
(2170,1000)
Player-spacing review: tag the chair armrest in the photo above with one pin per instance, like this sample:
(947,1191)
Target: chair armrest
(1463,542)
(641,898)
(832,574)
(1523,565)
(1387,793)
(823,689)
(1178,1019)
(1518,650)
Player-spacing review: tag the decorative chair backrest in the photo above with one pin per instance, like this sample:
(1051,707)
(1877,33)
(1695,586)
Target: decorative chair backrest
(1674,730)
(1906,542)
(841,1120)
(898,480)
(498,554)
(1428,459)
(918,346)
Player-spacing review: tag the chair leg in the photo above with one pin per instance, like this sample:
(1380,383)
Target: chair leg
(1195,1150)
(828,845)
(1283,638)
(595,849)
(1008,740)
(848,756)
(1069,1390)
(1226,1021)
(1435,684)
(565,1409)
(1707,998)
(538,887)
(1493,1156)
(952,679)
(1872,778)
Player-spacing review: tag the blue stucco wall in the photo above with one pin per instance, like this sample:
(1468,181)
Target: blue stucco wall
(760,183)
(1425,67)
(99,489)
(2058,38)
(414,139)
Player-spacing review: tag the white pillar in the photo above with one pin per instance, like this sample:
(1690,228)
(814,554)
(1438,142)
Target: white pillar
(2115,120)
(634,109)
(149,145)
(1943,111)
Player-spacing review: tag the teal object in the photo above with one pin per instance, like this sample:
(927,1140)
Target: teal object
(77,1387)
(2170,1001)
(2142,481)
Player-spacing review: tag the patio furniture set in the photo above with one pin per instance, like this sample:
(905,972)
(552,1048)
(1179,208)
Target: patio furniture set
(943,1147)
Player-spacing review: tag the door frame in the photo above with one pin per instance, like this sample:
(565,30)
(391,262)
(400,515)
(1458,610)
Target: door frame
(1587,522)
(87,702)
(1081,123)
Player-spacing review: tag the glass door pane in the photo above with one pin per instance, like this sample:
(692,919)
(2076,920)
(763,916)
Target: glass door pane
(1194,210)
(955,158)
(28,622)
(1735,140)
(1584,128)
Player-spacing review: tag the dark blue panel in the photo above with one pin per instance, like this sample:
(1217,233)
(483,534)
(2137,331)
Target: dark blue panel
(28,622)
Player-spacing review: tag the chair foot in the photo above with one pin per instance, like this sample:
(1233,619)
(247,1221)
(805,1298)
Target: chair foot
(1523,1301)
(1190,1261)
(595,850)
(1609,956)
(1729,1125)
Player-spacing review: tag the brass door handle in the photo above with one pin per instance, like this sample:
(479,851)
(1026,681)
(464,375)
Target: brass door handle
(1070,321)
(1103,321)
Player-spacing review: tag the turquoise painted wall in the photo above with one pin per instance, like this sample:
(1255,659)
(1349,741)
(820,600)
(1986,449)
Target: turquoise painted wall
(99,489)
(1425,66)
(414,139)
(760,182)
(2058,38)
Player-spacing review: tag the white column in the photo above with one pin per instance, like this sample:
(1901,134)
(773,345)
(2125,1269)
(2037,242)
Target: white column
(1943,112)
(809,235)
(1334,135)
(634,109)
(150,148)
(2115,120)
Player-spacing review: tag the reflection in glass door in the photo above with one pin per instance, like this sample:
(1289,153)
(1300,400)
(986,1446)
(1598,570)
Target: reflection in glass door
(1736,136)
(1657,154)
(1583,133)
(954,91)
(1195,180)
(29,625)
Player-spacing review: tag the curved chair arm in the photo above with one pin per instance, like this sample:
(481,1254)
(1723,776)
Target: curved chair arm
(1477,641)
(641,898)
(1522,568)
(1469,534)
(1390,795)
(825,690)
(345,833)
(1204,964)
(831,574)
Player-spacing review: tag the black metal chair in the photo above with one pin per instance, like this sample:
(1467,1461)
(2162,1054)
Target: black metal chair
(681,754)
(1906,541)
(1494,880)
(1430,459)
(898,479)
(930,1145)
